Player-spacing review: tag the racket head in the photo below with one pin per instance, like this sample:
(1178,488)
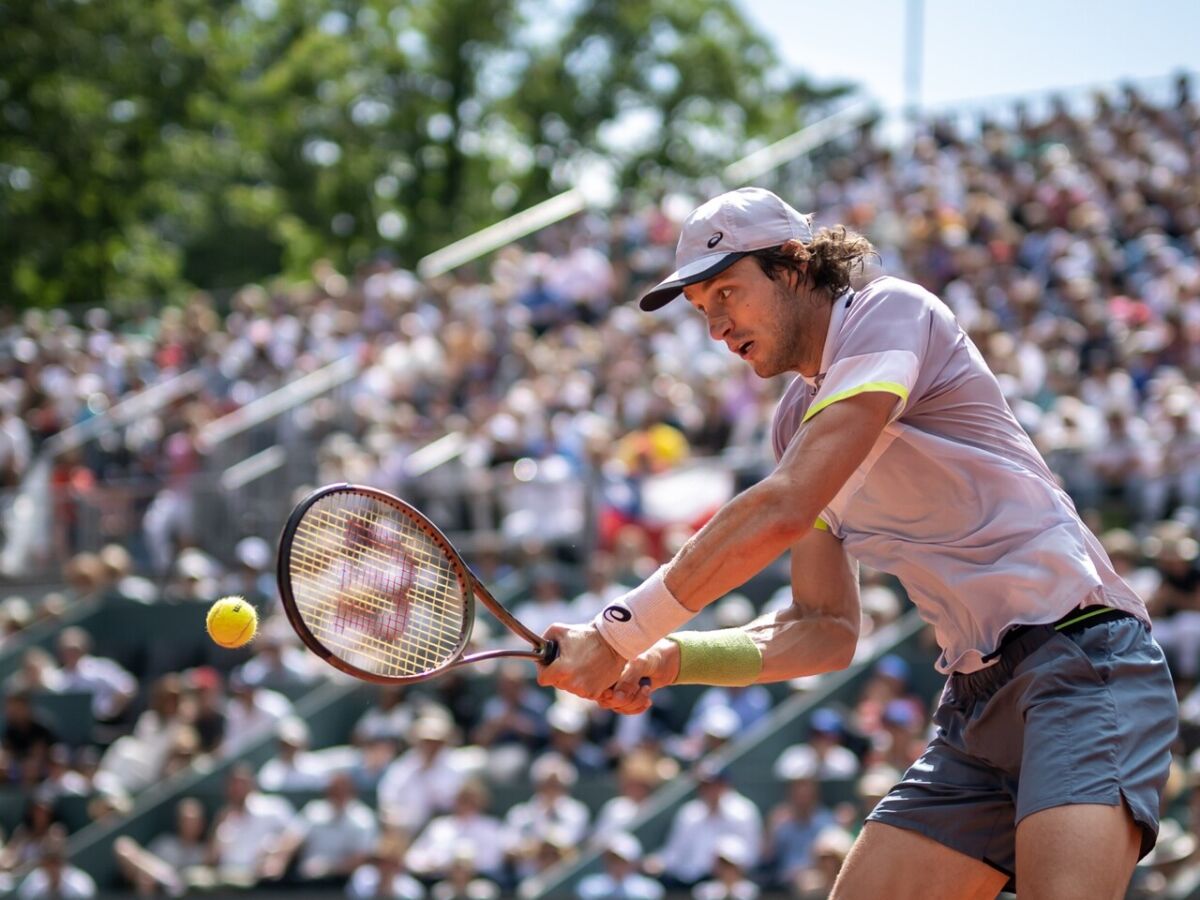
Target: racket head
(373,587)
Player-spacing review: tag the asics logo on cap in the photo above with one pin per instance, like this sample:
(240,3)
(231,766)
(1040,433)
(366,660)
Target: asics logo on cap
(715,239)
(616,613)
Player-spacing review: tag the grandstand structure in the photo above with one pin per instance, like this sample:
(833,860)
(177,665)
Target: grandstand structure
(509,392)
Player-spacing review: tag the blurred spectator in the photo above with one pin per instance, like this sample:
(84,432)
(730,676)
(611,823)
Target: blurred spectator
(602,588)
(37,672)
(425,780)
(135,760)
(253,577)
(637,778)
(718,811)
(171,862)
(111,687)
(889,681)
(552,850)
(620,879)
(514,720)
(547,604)
(61,779)
(277,664)
(716,725)
(390,716)
(826,733)
(1124,550)
(247,829)
(371,763)
(830,850)
(550,809)
(38,826)
(207,706)
(53,878)
(27,737)
(748,704)
(568,723)
(251,712)
(900,739)
(292,768)
(335,835)
(794,824)
(384,875)
(729,881)
(468,828)
(462,882)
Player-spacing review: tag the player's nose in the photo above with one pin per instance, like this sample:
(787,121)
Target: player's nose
(719,326)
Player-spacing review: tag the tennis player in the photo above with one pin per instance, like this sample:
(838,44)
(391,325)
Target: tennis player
(896,447)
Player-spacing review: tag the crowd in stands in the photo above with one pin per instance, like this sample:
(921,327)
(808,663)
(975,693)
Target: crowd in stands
(1068,245)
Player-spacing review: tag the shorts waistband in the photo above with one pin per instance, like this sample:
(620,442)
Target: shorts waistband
(1022,640)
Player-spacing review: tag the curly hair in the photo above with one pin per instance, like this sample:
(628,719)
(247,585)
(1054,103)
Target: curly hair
(825,263)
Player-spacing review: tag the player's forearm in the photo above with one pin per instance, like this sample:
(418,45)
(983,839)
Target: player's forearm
(793,645)
(741,540)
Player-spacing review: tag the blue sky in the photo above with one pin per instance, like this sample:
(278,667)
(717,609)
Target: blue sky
(975,50)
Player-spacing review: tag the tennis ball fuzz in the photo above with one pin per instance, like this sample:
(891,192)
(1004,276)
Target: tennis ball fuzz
(232,622)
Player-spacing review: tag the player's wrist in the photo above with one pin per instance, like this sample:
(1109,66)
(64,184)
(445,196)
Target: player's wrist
(668,660)
(727,657)
(633,624)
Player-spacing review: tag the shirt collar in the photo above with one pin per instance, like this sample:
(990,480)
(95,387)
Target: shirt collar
(840,307)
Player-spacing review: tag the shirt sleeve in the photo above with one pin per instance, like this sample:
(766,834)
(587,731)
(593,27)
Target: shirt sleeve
(881,348)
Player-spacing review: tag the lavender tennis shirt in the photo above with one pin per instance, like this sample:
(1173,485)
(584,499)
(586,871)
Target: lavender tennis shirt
(953,499)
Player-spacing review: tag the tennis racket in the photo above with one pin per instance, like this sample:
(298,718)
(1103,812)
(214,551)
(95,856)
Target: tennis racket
(376,590)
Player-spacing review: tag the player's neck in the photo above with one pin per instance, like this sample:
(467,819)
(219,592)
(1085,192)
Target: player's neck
(814,331)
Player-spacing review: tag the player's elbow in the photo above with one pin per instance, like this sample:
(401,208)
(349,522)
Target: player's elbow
(842,644)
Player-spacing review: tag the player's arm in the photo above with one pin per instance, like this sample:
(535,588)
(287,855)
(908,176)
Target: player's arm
(755,527)
(816,633)
(744,537)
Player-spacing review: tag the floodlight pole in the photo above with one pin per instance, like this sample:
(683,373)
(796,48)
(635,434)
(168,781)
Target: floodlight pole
(914,62)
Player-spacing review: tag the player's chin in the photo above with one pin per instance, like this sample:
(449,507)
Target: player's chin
(766,368)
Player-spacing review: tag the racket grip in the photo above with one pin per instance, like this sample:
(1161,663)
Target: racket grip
(549,653)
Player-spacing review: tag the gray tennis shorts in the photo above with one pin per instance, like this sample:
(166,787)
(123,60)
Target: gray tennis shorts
(1084,716)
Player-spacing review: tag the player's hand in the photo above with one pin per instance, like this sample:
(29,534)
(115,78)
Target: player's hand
(657,667)
(586,665)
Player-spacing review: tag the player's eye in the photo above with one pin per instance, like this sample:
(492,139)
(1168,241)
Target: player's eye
(724,293)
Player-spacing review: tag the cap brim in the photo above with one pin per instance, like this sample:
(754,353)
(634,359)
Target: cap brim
(694,272)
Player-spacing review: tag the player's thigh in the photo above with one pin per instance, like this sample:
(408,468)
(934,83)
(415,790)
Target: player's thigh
(892,862)
(1083,851)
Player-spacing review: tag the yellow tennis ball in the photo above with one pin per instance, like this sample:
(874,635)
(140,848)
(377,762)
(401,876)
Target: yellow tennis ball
(232,622)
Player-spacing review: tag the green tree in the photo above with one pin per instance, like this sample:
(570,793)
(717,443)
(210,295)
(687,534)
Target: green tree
(150,146)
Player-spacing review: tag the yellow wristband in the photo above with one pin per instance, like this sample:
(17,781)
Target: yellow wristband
(727,657)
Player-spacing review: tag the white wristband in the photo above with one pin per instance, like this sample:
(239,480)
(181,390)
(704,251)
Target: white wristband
(635,622)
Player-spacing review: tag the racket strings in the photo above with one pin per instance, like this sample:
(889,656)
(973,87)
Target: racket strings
(375,588)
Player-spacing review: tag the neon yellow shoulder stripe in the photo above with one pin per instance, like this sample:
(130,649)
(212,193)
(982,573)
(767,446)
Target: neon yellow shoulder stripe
(821,525)
(887,387)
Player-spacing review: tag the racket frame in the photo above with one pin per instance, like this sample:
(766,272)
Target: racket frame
(543,651)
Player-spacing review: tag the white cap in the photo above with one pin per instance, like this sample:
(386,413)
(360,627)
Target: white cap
(720,722)
(563,715)
(722,231)
(624,845)
(798,762)
(253,552)
(732,848)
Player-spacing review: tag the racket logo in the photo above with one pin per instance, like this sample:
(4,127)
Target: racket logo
(616,613)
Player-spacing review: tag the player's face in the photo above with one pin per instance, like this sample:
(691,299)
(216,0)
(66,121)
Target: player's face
(770,324)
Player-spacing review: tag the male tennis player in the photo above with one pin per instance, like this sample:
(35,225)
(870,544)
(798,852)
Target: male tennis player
(895,447)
